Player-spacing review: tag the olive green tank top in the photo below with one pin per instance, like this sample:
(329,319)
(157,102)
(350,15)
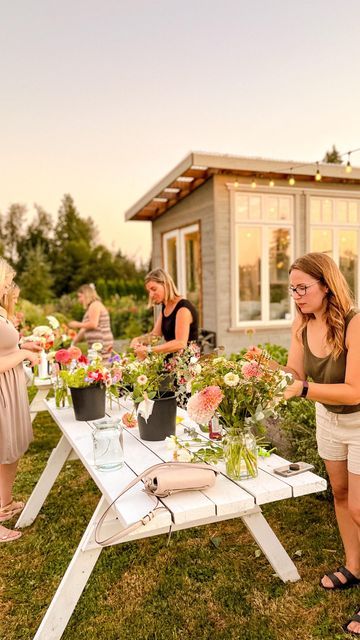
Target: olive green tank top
(327,370)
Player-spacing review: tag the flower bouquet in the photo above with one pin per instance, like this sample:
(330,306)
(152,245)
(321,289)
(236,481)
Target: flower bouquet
(242,394)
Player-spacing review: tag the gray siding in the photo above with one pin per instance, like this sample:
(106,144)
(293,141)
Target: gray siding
(197,207)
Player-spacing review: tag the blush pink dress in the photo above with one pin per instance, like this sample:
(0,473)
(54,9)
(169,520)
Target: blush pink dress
(15,422)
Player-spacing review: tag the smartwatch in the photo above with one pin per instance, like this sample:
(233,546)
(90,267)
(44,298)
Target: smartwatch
(305,389)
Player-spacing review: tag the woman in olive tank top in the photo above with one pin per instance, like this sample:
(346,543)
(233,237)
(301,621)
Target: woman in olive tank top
(177,323)
(325,346)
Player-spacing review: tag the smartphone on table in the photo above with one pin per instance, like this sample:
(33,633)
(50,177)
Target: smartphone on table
(293,469)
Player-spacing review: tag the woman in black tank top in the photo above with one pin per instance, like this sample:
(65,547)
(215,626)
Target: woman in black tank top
(177,323)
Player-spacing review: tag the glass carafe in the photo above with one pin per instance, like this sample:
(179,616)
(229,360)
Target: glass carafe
(108,444)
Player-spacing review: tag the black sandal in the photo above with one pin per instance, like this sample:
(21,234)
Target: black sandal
(355,618)
(351,580)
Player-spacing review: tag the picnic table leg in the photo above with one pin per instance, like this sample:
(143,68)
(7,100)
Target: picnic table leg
(71,586)
(37,403)
(57,458)
(271,546)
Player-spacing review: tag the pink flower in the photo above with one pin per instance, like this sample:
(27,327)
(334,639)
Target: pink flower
(202,406)
(74,352)
(251,370)
(129,420)
(63,356)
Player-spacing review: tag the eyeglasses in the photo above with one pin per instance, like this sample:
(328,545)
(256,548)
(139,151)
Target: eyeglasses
(301,289)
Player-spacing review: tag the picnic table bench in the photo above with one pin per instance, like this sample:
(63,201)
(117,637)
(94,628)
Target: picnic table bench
(225,500)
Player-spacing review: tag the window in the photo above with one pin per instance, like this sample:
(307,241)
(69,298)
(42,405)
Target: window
(181,250)
(263,254)
(334,224)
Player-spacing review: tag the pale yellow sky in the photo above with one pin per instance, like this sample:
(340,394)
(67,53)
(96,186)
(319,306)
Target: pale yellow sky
(101,99)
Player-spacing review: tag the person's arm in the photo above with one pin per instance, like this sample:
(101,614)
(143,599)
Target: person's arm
(31,346)
(347,392)
(182,329)
(80,336)
(11,361)
(146,338)
(92,321)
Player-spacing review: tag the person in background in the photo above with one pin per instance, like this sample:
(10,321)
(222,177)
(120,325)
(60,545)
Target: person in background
(177,323)
(15,423)
(95,325)
(325,346)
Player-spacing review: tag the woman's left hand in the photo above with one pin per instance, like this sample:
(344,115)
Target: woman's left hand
(141,351)
(293,390)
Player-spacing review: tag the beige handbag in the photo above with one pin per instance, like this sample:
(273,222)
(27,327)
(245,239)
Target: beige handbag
(160,481)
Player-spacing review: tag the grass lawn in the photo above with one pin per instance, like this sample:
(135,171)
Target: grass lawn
(191,590)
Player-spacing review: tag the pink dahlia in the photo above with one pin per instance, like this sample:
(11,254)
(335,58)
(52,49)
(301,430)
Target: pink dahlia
(202,405)
(251,370)
(74,352)
(63,356)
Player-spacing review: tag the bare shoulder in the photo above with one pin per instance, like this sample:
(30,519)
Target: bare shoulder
(353,329)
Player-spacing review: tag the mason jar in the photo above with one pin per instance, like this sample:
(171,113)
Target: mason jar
(240,453)
(108,444)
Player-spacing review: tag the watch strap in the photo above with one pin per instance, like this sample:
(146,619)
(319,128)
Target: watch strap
(305,389)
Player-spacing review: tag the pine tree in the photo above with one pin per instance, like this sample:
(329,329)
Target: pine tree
(333,156)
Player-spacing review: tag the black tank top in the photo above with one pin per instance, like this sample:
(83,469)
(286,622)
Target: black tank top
(168,322)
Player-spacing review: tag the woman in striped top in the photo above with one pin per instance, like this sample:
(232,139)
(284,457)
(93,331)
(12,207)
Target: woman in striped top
(95,325)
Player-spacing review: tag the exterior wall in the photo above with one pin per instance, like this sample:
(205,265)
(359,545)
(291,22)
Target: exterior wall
(197,207)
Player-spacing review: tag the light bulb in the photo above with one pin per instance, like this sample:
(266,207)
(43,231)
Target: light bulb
(291,181)
(318,176)
(271,183)
(253,184)
(348,168)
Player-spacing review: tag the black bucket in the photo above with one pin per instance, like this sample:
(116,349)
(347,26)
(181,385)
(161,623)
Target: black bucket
(88,402)
(162,422)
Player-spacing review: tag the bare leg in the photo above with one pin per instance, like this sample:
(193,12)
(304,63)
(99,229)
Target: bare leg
(342,487)
(7,478)
(354,509)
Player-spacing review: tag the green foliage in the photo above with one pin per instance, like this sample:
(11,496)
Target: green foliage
(333,156)
(36,280)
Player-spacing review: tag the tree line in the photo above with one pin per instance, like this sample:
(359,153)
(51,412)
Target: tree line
(53,258)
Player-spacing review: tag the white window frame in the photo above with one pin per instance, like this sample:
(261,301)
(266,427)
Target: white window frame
(179,234)
(335,227)
(265,291)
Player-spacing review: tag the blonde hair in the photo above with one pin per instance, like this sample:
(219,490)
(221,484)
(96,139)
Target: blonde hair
(163,277)
(89,292)
(8,301)
(339,299)
(6,270)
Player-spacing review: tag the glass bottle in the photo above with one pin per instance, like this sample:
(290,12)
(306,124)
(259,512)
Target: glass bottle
(108,444)
(240,453)
(215,429)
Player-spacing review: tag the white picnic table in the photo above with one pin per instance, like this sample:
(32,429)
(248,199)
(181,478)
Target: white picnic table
(43,387)
(225,500)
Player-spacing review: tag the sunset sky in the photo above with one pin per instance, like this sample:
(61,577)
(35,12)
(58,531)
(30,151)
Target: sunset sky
(100,98)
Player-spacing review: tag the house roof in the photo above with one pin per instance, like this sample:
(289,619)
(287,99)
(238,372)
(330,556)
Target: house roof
(197,167)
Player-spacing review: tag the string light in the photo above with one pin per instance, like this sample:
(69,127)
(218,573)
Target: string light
(271,183)
(253,184)
(348,168)
(318,175)
(236,184)
(291,179)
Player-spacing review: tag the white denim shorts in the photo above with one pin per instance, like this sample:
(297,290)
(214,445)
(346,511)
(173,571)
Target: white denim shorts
(338,436)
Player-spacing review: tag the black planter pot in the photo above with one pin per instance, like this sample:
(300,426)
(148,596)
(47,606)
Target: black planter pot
(88,402)
(162,422)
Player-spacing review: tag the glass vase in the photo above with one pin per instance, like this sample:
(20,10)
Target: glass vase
(61,393)
(240,453)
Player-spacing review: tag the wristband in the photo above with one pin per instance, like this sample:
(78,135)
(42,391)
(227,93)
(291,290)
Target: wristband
(305,389)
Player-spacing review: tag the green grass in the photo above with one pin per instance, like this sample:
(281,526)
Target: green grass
(189,590)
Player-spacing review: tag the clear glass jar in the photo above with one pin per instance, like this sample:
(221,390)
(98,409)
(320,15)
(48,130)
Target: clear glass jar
(240,453)
(61,390)
(108,444)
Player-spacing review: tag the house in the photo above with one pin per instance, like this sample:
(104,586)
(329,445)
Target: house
(227,228)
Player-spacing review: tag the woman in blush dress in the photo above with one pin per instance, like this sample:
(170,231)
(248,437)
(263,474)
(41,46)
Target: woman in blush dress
(15,423)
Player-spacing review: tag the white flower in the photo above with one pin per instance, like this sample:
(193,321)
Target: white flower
(193,360)
(231,379)
(42,330)
(196,369)
(170,442)
(53,322)
(97,346)
(142,379)
(51,356)
(183,455)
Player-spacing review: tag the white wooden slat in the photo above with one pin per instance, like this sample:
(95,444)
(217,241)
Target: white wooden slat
(301,484)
